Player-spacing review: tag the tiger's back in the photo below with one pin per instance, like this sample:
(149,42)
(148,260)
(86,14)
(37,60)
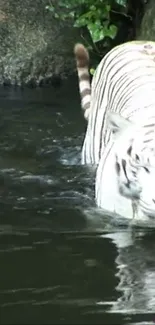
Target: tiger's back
(120,84)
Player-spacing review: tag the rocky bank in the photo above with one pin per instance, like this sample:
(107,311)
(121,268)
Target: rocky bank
(35,48)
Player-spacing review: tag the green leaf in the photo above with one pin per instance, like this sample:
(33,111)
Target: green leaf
(92,8)
(57,16)
(50,8)
(112,31)
(92,71)
(98,24)
(122,2)
(71,14)
(107,8)
(101,35)
(96,31)
(81,21)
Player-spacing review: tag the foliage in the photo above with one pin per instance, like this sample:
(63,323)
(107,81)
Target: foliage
(95,20)
(92,14)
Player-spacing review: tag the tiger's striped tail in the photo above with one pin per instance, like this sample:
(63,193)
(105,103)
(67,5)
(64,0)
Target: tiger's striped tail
(82,63)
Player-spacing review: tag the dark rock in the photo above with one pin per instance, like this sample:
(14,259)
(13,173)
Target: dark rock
(147,28)
(36,49)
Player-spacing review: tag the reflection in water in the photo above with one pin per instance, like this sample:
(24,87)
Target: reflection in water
(135,272)
(62,261)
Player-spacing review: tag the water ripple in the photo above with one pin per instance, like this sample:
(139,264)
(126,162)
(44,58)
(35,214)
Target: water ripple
(63,261)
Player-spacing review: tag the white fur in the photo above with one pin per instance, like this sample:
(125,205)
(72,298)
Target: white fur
(107,194)
(108,182)
(85,100)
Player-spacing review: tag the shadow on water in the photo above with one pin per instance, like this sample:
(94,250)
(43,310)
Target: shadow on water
(61,261)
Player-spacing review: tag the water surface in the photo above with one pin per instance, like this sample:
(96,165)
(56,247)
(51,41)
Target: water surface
(62,261)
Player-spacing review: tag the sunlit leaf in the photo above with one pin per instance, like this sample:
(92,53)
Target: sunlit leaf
(122,2)
(107,8)
(92,71)
(112,31)
(93,8)
(57,16)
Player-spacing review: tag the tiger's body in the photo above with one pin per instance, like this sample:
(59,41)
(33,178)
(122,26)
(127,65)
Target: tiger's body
(124,83)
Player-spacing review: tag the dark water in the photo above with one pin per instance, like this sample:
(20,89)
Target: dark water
(61,260)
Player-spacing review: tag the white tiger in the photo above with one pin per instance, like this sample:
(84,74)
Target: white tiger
(122,100)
